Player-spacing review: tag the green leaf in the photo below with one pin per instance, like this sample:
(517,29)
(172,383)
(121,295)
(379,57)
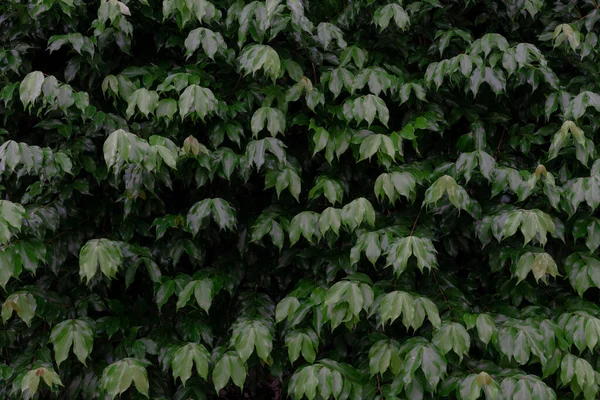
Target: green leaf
(401,250)
(23,303)
(197,101)
(384,15)
(377,143)
(229,366)
(452,336)
(330,188)
(184,359)
(385,354)
(76,333)
(365,108)
(396,304)
(286,308)
(274,119)
(144,100)
(250,334)
(583,272)
(102,253)
(211,42)
(11,220)
(31,88)
(486,328)
(256,56)
(541,264)
(327,32)
(302,341)
(31,381)
(457,195)
(395,184)
(202,290)
(356,212)
(118,377)
(218,209)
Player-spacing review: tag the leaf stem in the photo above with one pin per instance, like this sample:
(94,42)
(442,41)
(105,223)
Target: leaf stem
(497,153)
(443,294)
(412,230)
(379,387)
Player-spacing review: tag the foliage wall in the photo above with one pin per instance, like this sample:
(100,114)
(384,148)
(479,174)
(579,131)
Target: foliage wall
(326,200)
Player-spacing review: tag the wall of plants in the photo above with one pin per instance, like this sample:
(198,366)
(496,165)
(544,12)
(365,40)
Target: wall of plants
(299,199)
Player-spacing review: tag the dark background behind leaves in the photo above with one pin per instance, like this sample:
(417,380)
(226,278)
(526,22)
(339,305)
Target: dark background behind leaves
(336,199)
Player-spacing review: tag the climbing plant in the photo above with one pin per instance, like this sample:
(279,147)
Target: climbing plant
(299,199)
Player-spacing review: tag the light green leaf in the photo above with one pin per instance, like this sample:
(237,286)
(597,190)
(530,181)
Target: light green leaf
(31,88)
(274,118)
(21,302)
(257,56)
(76,333)
(11,220)
(211,42)
(384,15)
(31,380)
(401,250)
(118,377)
(250,334)
(229,366)
(197,101)
(99,252)
(202,290)
(452,336)
(184,359)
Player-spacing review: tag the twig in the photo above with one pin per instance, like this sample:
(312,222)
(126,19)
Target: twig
(412,230)
(497,153)
(379,387)
(57,236)
(548,293)
(314,72)
(236,85)
(471,369)
(586,15)
(443,294)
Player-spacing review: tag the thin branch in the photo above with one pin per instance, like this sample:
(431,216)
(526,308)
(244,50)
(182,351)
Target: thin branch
(548,292)
(412,230)
(314,72)
(379,387)
(236,85)
(497,153)
(57,236)
(443,294)
(594,9)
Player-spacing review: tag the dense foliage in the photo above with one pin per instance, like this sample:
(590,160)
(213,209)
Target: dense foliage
(330,199)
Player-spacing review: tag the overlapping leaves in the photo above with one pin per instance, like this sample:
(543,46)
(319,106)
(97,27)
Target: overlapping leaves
(266,163)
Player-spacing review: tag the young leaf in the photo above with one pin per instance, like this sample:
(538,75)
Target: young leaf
(99,252)
(202,290)
(118,377)
(456,194)
(452,336)
(197,101)
(384,15)
(76,333)
(274,118)
(23,303)
(401,250)
(31,381)
(184,359)
(31,88)
(256,56)
(211,42)
(229,366)
(11,220)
